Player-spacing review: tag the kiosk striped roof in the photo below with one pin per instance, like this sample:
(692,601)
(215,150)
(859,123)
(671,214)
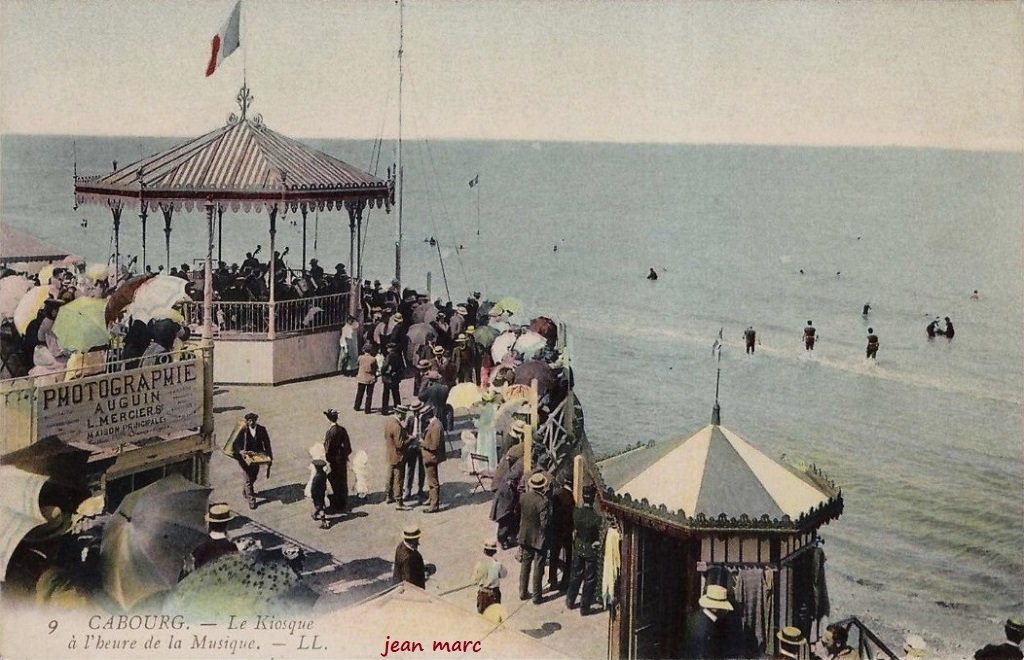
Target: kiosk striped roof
(242,162)
(716,473)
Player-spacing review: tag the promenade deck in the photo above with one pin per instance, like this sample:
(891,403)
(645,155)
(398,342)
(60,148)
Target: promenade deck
(352,560)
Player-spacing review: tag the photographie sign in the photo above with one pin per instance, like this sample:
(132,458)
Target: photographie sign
(122,407)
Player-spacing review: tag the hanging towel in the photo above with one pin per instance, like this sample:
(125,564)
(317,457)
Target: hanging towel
(768,609)
(820,606)
(749,594)
(612,563)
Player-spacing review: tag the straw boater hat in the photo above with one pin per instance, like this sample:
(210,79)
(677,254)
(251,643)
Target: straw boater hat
(491,545)
(219,513)
(915,646)
(539,481)
(462,338)
(715,598)
(461,309)
(470,329)
(423,364)
(397,317)
(411,533)
(789,635)
(439,350)
(415,406)
(401,409)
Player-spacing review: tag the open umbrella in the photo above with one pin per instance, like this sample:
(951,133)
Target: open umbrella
(149,536)
(529,344)
(485,335)
(12,289)
(29,306)
(539,370)
(502,344)
(157,295)
(464,395)
(244,584)
(124,296)
(80,325)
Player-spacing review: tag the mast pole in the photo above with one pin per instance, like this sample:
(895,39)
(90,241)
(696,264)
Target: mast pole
(401,47)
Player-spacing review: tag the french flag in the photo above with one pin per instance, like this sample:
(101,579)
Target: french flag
(226,41)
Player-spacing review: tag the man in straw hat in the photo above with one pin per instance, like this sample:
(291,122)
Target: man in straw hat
(337,449)
(390,377)
(396,437)
(535,514)
(218,544)
(408,560)
(432,453)
(1008,650)
(791,641)
(415,421)
(462,359)
(251,448)
(707,629)
(458,321)
(487,576)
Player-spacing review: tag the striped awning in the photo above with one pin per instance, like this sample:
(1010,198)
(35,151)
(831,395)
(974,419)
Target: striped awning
(716,478)
(242,166)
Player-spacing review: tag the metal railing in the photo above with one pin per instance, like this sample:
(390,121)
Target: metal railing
(868,644)
(297,316)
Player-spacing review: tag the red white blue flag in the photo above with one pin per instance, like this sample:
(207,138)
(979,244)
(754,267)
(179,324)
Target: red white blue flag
(226,41)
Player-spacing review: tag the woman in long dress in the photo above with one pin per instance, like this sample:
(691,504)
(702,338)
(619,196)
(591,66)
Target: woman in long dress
(486,435)
(349,347)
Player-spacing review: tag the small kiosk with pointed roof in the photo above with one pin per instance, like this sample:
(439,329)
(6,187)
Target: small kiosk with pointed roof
(713,509)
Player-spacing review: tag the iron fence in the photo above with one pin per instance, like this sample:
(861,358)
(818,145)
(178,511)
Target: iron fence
(290,316)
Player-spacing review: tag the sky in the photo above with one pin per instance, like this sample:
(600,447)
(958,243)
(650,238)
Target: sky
(937,74)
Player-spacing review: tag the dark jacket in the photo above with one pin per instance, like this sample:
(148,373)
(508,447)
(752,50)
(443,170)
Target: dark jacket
(337,446)
(409,567)
(246,442)
(1004,651)
(535,513)
(433,448)
(587,524)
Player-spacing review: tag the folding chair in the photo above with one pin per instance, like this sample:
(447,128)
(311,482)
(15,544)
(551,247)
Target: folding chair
(481,470)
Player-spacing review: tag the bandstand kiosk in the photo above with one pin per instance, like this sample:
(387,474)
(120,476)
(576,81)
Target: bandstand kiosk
(712,508)
(246,167)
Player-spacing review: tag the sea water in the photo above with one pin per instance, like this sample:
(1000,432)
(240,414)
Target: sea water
(926,443)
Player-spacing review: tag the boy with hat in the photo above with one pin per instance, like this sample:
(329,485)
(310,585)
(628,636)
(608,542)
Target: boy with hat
(487,576)
(1008,650)
(337,449)
(586,524)
(366,379)
(251,448)
(408,560)
(707,629)
(535,514)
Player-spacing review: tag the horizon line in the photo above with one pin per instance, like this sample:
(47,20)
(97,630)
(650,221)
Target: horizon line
(1011,150)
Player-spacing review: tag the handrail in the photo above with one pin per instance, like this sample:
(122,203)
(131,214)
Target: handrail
(296,316)
(868,643)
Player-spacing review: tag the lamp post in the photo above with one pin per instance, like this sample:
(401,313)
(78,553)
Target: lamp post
(208,276)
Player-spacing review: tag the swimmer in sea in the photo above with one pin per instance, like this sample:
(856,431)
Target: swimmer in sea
(949,332)
(975,296)
(872,344)
(867,308)
(652,276)
(810,332)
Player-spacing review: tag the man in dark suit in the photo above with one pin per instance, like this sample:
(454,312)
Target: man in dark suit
(408,560)
(586,547)
(337,449)
(535,512)
(706,633)
(218,544)
(560,537)
(1008,650)
(251,448)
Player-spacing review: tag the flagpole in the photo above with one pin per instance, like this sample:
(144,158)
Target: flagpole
(477,186)
(716,412)
(398,167)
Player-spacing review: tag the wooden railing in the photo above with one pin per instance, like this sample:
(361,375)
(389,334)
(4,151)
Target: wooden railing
(253,319)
